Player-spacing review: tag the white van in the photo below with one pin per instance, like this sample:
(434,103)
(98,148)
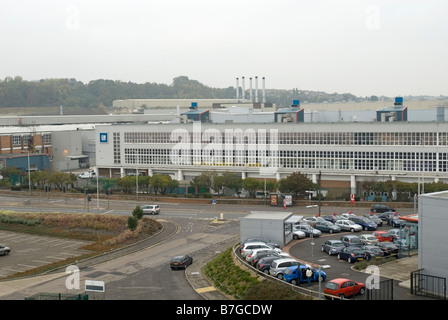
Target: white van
(87,175)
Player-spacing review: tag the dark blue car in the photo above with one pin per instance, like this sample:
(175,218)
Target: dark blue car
(352,254)
(365,223)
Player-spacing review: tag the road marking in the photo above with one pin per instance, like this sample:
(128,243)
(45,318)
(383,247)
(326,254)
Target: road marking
(26,265)
(205,289)
(39,261)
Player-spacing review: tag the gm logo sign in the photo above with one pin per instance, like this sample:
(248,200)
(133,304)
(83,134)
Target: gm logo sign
(103,137)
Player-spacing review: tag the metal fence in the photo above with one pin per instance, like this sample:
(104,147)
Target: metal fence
(57,296)
(428,285)
(385,291)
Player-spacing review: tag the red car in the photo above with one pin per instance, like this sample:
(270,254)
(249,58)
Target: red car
(343,288)
(382,236)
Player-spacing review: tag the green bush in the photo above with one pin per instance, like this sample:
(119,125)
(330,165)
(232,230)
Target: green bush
(132,223)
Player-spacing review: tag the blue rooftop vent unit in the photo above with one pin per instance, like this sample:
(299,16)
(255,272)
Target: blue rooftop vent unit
(295,103)
(398,101)
(194,106)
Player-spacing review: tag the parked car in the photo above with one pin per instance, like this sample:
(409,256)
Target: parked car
(309,230)
(368,239)
(385,216)
(297,274)
(333,218)
(278,266)
(298,234)
(312,220)
(87,175)
(264,264)
(327,226)
(351,241)
(257,239)
(348,215)
(372,251)
(253,256)
(4,250)
(343,288)
(249,246)
(373,217)
(181,262)
(333,246)
(151,209)
(379,208)
(348,225)
(365,223)
(352,254)
(388,248)
(395,233)
(395,221)
(261,255)
(382,236)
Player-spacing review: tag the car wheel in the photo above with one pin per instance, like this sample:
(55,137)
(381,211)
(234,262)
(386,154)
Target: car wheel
(339,257)
(293,282)
(280,276)
(321,279)
(349,260)
(341,295)
(331,231)
(295,237)
(323,249)
(352,230)
(266,271)
(361,291)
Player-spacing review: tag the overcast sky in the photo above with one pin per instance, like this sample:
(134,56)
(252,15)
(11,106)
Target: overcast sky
(390,47)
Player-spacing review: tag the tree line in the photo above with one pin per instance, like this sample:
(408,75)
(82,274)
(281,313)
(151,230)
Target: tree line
(15,92)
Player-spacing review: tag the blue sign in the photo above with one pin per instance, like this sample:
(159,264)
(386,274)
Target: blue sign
(103,137)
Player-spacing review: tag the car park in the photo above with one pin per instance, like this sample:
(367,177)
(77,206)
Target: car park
(382,236)
(388,248)
(374,218)
(352,254)
(151,209)
(278,266)
(366,224)
(309,230)
(348,225)
(327,226)
(297,274)
(333,246)
(344,288)
(4,250)
(380,208)
(351,241)
(368,239)
(181,262)
(372,251)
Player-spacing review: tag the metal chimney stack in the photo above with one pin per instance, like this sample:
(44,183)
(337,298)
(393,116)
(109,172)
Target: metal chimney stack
(250,90)
(243,84)
(264,91)
(237,90)
(256,89)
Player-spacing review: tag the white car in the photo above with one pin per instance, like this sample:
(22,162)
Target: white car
(348,225)
(248,247)
(87,175)
(298,234)
(368,239)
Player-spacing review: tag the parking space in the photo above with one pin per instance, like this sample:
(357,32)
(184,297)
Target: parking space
(31,251)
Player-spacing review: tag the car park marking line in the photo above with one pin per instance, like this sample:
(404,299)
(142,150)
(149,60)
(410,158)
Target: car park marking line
(57,258)
(11,270)
(26,265)
(39,261)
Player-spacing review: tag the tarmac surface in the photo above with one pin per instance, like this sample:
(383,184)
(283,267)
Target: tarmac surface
(398,270)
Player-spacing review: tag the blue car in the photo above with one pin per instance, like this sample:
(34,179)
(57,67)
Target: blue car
(352,254)
(296,274)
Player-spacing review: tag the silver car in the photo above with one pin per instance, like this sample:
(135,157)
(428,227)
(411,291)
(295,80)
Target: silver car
(279,266)
(4,250)
(348,225)
(151,209)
